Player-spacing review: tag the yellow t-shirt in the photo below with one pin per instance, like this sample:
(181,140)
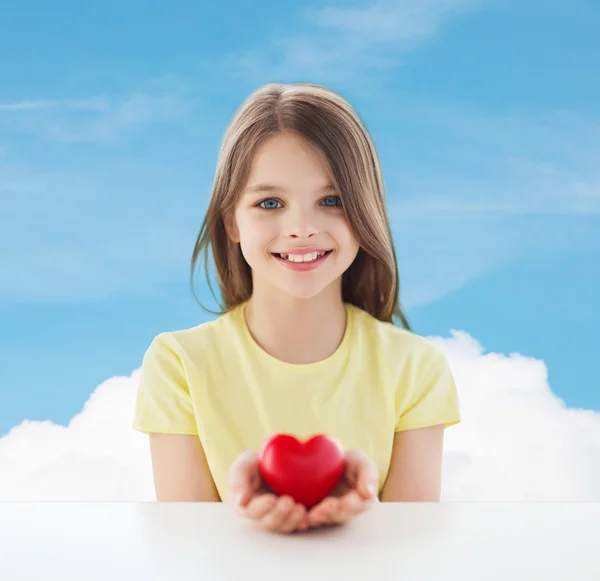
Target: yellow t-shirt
(215,381)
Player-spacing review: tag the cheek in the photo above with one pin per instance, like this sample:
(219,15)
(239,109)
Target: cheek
(345,237)
(255,236)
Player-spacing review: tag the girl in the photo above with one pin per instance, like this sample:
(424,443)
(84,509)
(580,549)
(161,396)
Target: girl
(305,343)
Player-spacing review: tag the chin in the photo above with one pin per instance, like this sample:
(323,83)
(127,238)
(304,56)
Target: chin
(299,293)
(305,291)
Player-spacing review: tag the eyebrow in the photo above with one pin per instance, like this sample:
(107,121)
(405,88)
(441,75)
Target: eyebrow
(262,188)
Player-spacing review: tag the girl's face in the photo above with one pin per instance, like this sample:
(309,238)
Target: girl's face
(290,225)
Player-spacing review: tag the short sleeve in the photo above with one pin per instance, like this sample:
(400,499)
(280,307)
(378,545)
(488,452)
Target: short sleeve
(163,403)
(432,397)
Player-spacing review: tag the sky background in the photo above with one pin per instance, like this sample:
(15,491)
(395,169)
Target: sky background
(486,117)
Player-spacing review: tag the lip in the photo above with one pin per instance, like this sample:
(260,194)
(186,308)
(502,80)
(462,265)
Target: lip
(303,266)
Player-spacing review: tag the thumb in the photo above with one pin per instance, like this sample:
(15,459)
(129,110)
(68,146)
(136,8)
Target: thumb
(242,478)
(367,474)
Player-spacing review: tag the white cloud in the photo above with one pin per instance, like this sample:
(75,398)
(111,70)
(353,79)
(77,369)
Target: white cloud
(444,244)
(97,457)
(517,441)
(542,163)
(92,104)
(97,119)
(392,20)
(352,44)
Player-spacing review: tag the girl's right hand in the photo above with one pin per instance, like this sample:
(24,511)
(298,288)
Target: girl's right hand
(253,499)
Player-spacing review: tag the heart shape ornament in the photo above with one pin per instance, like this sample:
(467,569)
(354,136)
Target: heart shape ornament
(307,471)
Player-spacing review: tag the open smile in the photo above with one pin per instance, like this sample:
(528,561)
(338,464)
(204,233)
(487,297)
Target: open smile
(306,261)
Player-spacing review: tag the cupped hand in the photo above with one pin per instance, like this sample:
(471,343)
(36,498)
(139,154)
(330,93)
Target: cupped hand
(253,499)
(355,493)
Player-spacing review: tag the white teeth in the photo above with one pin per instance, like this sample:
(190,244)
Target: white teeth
(309,257)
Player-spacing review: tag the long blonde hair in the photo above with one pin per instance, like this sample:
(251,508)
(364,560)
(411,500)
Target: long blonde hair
(328,122)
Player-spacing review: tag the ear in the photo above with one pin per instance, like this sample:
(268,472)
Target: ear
(230,226)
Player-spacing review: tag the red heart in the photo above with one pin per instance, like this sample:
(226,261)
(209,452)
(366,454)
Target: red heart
(308,472)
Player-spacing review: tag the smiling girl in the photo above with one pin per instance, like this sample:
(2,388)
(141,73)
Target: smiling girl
(306,341)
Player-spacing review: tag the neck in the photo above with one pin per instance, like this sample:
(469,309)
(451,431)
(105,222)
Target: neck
(296,330)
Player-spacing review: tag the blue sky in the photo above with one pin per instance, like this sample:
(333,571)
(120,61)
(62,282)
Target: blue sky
(486,117)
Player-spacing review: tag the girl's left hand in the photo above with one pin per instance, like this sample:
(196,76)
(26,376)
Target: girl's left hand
(356,492)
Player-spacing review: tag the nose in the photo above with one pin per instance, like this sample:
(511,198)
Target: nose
(300,225)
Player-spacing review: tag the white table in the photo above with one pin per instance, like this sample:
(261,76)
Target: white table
(400,542)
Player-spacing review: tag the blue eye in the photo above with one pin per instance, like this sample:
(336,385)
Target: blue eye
(332,201)
(269,204)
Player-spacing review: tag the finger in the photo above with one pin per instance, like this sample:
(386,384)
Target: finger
(349,506)
(279,513)
(324,512)
(304,523)
(243,478)
(294,519)
(259,506)
(363,473)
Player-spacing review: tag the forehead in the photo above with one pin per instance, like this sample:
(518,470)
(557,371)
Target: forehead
(285,162)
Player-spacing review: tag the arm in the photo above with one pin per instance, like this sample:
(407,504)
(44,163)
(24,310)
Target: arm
(165,411)
(425,407)
(415,473)
(180,469)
